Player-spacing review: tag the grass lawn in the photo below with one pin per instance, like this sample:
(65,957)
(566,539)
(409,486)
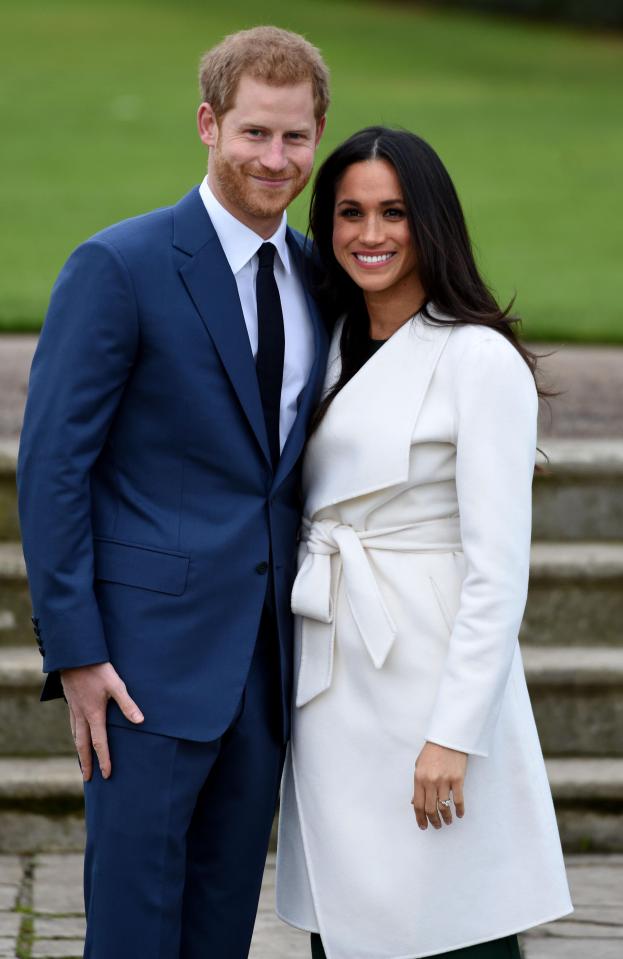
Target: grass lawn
(97,104)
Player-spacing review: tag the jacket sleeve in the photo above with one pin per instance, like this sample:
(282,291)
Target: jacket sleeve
(496,418)
(81,364)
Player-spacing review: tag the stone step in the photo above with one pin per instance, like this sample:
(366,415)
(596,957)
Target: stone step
(15,605)
(9,526)
(576,595)
(575,598)
(578,492)
(41,804)
(576,693)
(577,698)
(27,726)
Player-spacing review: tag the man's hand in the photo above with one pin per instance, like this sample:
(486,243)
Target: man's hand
(438,771)
(87,691)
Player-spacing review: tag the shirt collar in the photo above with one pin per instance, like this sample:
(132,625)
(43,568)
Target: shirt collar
(239,242)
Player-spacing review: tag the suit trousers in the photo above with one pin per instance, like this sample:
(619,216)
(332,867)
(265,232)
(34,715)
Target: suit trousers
(506,948)
(177,837)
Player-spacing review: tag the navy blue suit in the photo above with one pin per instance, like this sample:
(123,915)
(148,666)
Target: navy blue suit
(157,535)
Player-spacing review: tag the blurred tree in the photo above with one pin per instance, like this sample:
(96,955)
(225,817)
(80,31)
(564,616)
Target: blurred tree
(597,13)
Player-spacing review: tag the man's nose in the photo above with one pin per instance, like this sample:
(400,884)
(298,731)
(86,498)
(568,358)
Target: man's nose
(274,159)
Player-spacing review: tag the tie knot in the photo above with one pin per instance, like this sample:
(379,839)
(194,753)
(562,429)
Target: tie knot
(266,255)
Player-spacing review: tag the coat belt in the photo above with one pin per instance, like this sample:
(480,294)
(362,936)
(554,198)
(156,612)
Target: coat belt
(315,589)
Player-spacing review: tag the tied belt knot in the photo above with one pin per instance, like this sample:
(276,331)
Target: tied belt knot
(315,590)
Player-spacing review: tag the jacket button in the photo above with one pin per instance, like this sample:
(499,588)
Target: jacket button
(261,567)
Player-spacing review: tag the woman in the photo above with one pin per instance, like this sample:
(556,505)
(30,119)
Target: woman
(412,583)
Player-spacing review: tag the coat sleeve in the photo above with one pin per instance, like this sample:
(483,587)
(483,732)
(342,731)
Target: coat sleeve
(81,364)
(496,417)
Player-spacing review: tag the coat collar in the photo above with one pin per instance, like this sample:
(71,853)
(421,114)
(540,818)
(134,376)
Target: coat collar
(212,288)
(363,443)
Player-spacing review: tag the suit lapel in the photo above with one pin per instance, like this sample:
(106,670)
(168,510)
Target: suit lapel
(363,444)
(212,288)
(311,391)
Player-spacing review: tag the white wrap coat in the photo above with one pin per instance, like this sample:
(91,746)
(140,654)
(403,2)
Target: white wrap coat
(413,574)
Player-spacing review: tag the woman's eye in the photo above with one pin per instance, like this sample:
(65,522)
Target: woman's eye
(348,213)
(394,213)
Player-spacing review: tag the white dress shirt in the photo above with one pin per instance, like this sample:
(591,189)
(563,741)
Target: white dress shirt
(240,245)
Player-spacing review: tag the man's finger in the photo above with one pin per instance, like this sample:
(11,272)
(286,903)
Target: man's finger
(83,746)
(126,704)
(72,723)
(457,793)
(99,739)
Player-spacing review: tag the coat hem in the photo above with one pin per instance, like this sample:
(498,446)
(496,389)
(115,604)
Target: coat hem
(450,948)
(295,925)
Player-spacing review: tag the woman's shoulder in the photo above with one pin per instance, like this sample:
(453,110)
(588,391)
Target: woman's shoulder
(480,357)
(475,341)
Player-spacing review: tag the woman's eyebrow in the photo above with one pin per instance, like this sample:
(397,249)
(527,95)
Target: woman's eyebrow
(382,203)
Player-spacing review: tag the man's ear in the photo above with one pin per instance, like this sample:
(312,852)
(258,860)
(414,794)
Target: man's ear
(207,125)
(320,125)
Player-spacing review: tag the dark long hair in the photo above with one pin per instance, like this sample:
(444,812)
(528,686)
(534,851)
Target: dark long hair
(445,259)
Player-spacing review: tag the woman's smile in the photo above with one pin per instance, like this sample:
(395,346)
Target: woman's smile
(372,261)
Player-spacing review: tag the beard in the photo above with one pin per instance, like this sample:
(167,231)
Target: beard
(238,187)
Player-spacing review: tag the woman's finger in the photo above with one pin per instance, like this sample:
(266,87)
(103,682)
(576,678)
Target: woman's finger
(418,801)
(445,810)
(457,795)
(430,806)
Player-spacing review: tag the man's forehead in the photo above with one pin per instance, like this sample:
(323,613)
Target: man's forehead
(254,96)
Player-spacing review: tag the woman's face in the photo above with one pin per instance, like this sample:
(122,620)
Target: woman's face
(371,238)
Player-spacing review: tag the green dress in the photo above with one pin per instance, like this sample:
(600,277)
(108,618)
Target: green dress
(507,948)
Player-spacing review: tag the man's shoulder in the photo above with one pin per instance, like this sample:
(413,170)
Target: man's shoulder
(141,228)
(303,242)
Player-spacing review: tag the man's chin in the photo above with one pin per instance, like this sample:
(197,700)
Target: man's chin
(271,206)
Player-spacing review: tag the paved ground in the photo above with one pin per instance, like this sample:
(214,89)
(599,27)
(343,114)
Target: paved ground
(588,378)
(41,913)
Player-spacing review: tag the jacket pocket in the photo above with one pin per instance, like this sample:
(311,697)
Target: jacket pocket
(441,605)
(142,566)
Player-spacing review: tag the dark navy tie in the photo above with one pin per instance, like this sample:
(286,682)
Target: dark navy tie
(271,344)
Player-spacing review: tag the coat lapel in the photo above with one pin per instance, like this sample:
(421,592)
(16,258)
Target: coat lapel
(212,288)
(363,443)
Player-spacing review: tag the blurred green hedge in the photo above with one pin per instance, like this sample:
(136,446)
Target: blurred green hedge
(593,13)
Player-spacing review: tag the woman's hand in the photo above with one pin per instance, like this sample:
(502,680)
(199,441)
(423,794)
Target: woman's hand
(438,771)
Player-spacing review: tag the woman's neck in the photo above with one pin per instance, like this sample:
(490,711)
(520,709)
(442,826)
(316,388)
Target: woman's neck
(388,310)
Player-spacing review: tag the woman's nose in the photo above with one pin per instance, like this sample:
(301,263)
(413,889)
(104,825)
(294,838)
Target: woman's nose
(372,231)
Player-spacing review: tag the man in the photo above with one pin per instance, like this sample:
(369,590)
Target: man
(169,397)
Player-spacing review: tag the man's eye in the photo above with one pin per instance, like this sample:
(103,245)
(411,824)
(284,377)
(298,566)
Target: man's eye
(254,133)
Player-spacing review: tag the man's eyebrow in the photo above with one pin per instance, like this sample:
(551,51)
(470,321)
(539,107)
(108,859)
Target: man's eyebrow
(262,126)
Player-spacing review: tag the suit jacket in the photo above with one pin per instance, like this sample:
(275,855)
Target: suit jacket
(412,585)
(150,512)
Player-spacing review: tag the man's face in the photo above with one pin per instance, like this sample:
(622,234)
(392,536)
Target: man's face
(262,150)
